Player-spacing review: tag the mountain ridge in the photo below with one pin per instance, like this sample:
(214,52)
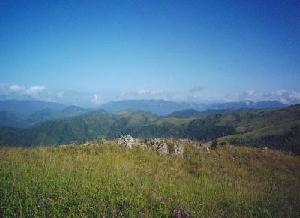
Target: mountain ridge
(164,108)
(233,127)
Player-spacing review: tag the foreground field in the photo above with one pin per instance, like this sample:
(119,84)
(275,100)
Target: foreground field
(103,179)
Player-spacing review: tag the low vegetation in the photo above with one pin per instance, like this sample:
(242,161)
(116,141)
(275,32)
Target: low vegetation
(105,179)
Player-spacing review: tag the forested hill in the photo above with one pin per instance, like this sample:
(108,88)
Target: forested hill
(278,128)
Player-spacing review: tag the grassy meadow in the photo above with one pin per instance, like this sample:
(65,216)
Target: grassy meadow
(103,179)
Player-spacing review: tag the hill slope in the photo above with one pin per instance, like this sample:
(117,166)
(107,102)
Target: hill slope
(277,128)
(103,179)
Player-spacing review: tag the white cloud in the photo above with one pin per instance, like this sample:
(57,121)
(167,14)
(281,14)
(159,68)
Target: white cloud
(20,90)
(16,88)
(282,95)
(96,99)
(285,96)
(195,94)
(251,95)
(146,94)
(34,91)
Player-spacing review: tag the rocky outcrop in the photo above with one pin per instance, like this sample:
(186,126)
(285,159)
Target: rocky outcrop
(162,147)
(127,141)
(159,146)
(178,149)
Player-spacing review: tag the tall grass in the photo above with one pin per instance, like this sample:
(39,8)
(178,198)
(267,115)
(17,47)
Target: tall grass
(103,179)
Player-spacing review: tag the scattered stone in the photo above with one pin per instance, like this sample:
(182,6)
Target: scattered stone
(162,148)
(178,149)
(127,141)
(156,144)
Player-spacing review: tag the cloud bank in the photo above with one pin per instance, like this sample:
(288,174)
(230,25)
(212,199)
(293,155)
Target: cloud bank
(93,99)
(15,90)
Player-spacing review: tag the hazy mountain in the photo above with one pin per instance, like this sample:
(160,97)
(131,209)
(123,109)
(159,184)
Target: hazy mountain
(194,113)
(247,104)
(12,119)
(25,114)
(161,107)
(278,128)
(227,107)
(74,110)
(27,107)
(49,114)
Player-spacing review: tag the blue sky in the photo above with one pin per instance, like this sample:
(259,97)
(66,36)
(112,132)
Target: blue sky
(90,52)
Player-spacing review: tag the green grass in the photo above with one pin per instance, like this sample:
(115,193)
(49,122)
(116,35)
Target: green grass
(103,179)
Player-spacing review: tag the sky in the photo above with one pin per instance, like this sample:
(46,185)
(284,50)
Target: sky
(91,52)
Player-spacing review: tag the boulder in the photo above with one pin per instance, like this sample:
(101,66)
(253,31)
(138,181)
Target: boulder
(127,141)
(178,149)
(159,146)
(162,148)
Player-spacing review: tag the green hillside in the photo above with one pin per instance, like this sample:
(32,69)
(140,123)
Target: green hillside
(103,179)
(274,128)
(277,128)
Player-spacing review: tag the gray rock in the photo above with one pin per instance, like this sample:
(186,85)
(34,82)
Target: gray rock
(159,146)
(127,141)
(178,149)
(162,148)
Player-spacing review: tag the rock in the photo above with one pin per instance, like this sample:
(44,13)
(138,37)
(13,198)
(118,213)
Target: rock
(156,144)
(159,146)
(127,141)
(178,149)
(162,148)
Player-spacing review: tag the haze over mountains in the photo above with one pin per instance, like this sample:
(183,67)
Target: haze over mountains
(162,107)
(26,113)
(243,123)
(149,108)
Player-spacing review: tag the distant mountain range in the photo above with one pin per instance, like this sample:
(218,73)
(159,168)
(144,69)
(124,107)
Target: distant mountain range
(195,113)
(278,128)
(16,113)
(159,107)
(24,114)
(162,108)
(27,107)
